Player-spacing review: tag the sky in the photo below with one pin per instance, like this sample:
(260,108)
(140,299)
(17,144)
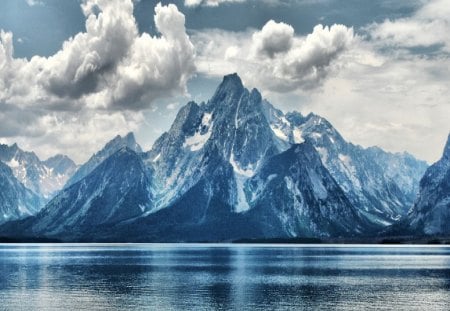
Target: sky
(74,74)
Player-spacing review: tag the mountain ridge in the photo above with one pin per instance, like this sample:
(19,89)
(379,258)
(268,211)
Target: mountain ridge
(204,179)
(430,214)
(41,180)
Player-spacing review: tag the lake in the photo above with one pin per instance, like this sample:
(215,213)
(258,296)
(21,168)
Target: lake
(223,277)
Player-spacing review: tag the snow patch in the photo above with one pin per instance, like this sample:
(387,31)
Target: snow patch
(241,176)
(157,157)
(297,133)
(237,169)
(13,163)
(241,200)
(279,133)
(271,176)
(206,119)
(285,121)
(197,141)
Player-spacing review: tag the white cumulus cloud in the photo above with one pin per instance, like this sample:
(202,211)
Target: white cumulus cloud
(110,65)
(273,38)
(274,58)
(375,89)
(105,75)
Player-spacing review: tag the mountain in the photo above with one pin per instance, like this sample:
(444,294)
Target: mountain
(291,195)
(383,185)
(61,165)
(114,191)
(234,167)
(27,182)
(16,201)
(109,149)
(298,190)
(44,178)
(430,214)
(232,123)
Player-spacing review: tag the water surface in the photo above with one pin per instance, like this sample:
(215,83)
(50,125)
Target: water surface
(223,277)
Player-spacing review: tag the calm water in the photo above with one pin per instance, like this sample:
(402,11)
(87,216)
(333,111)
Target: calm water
(223,277)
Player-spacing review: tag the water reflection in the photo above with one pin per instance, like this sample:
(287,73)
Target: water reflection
(173,277)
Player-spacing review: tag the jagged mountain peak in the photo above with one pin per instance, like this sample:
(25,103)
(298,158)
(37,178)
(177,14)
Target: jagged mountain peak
(295,118)
(61,164)
(14,146)
(16,201)
(109,149)
(235,160)
(184,118)
(128,140)
(58,157)
(232,79)
(229,90)
(116,190)
(255,96)
(117,143)
(14,149)
(41,177)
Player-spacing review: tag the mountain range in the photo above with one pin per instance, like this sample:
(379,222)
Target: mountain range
(430,214)
(234,167)
(28,182)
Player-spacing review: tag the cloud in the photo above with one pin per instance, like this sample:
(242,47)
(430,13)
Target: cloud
(273,58)
(213,3)
(428,26)
(375,88)
(78,135)
(109,66)
(172,106)
(273,38)
(397,104)
(99,82)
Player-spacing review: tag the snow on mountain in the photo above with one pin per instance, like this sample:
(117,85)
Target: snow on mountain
(16,201)
(61,164)
(116,190)
(44,178)
(233,167)
(296,189)
(382,184)
(233,122)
